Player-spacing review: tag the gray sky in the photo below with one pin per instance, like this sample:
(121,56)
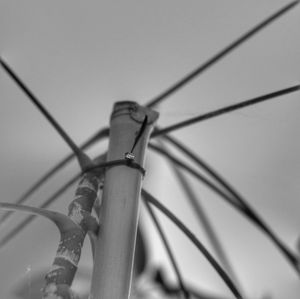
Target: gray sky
(79,57)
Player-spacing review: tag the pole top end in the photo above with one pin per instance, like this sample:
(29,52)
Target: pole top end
(135,111)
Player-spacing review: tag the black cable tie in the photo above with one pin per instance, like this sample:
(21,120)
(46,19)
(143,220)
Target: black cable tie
(140,133)
(129,156)
(127,162)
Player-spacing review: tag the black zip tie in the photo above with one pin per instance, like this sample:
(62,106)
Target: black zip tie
(127,162)
(140,133)
(129,155)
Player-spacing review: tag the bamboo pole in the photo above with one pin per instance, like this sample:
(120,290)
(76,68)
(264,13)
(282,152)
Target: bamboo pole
(116,240)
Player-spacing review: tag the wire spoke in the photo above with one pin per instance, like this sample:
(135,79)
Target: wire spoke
(225,110)
(199,210)
(197,175)
(82,158)
(88,143)
(207,168)
(173,289)
(192,75)
(22,225)
(246,209)
(147,196)
(49,201)
(168,249)
(206,224)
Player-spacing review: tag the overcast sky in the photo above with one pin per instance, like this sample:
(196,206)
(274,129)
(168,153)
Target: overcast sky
(79,57)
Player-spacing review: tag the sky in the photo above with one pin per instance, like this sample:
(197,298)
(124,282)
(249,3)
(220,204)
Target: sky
(79,57)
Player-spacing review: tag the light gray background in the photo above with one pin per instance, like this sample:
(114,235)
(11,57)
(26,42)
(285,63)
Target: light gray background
(79,57)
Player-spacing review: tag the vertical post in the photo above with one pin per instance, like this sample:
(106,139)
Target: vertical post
(116,240)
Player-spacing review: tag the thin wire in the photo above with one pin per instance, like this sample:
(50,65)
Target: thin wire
(180,83)
(242,206)
(170,289)
(59,192)
(17,229)
(192,75)
(203,165)
(197,175)
(168,249)
(250,212)
(79,154)
(207,225)
(147,196)
(202,216)
(197,119)
(225,110)
(89,142)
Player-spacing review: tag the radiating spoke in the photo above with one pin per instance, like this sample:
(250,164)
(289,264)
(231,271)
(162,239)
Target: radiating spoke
(235,44)
(82,158)
(99,160)
(198,208)
(17,229)
(197,175)
(203,165)
(225,110)
(195,241)
(94,138)
(233,199)
(169,251)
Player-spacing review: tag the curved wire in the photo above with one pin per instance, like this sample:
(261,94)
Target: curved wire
(168,249)
(232,46)
(203,165)
(197,175)
(102,133)
(147,196)
(242,207)
(17,229)
(206,224)
(171,289)
(99,165)
(202,216)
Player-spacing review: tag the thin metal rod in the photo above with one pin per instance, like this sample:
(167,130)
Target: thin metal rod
(225,110)
(82,158)
(89,142)
(46,203)
(242,206)
(196,174)
(203,165)
(207,225)
(168,249)
(192,75)
(147,196)
(248,210)
(202,216)
(171,289)
(22,225)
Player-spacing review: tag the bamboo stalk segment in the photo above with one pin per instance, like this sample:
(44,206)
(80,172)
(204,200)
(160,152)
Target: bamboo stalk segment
(116,240)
